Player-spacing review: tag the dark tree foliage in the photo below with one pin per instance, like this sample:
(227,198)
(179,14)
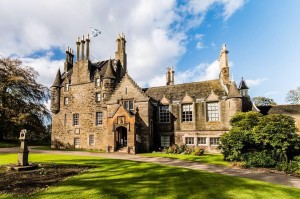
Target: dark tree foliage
(263,101)
(265,141)
(21,99)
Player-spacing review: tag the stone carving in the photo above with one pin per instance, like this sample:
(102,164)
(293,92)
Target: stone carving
(23,152)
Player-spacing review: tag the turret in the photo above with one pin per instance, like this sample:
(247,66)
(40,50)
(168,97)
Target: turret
(109,79)
(243,88)
(246,101)
(170,76)
(121,51)
(55,93)
(223,63)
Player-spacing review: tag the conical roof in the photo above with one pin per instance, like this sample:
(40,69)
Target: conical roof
(109,73)
(57,81)
(243,84)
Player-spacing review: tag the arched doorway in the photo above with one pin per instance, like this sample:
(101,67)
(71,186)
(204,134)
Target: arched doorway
(121,137)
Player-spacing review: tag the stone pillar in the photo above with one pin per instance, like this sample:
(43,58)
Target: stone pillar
(23,152)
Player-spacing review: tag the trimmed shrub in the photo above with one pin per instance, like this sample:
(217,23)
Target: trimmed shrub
(259,159)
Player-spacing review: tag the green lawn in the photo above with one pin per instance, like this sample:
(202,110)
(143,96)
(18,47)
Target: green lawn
(52,149)
(128,179)
(216,159)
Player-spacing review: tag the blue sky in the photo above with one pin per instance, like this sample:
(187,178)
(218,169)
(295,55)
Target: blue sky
(262,38)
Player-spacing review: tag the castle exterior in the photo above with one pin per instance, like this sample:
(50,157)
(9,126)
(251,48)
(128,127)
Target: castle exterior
(99,106)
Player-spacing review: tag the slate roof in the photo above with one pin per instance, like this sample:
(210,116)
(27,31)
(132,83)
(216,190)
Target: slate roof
(109,73)
(196,90)
(243,85)
(280,109)
(58,80)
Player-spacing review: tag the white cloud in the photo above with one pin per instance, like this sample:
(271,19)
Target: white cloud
(200,45)
(255,82)
(199,36)
(156,31)
(200,72)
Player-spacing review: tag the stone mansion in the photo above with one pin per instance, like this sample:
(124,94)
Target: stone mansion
(99,106)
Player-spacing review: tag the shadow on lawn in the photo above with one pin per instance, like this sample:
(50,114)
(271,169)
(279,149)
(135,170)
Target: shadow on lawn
(128,179)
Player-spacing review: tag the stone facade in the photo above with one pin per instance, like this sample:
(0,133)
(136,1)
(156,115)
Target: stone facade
(99,106)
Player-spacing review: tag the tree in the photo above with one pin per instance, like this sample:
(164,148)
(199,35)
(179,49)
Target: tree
(21,99)
(293,96)
(263,141)
(263,101)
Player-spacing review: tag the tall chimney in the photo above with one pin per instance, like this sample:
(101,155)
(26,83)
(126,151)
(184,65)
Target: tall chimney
(82,47)
(172,76)
(78,49)
(88,47)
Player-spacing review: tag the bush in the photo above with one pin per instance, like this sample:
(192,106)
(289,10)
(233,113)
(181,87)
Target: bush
(293,167)
(184,149)
(259,159)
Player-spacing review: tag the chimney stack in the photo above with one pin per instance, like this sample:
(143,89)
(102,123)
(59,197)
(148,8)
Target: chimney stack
(170,76)
(82,47)
(88,47)
(78,49)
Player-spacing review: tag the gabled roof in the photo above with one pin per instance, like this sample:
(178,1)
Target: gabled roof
(280,109)
(57,81)
(195,90)
(127,76)
(233,90)
(243,84)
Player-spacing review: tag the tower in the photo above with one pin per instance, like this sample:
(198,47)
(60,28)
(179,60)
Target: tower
(223,63)
(243,88)
(121,51)
(55,93)
(109,79)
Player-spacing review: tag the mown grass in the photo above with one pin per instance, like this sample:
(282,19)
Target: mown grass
(216,159)
(53,149)
(128,179)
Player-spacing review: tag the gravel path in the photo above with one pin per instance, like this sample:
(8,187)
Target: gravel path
(245,173)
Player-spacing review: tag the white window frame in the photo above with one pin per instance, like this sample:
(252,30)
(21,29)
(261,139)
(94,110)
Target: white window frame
(75,119)
(97,82)
(99,118)
(66,101)
(187,113)
(201,139)
(189,140)
(98,97)
(213,111)
(164,140)
(91,139)
(67,87)
(214,141)
(164,114)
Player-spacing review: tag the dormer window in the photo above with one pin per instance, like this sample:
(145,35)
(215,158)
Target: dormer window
(97,82)
(212,110)
(187,112)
